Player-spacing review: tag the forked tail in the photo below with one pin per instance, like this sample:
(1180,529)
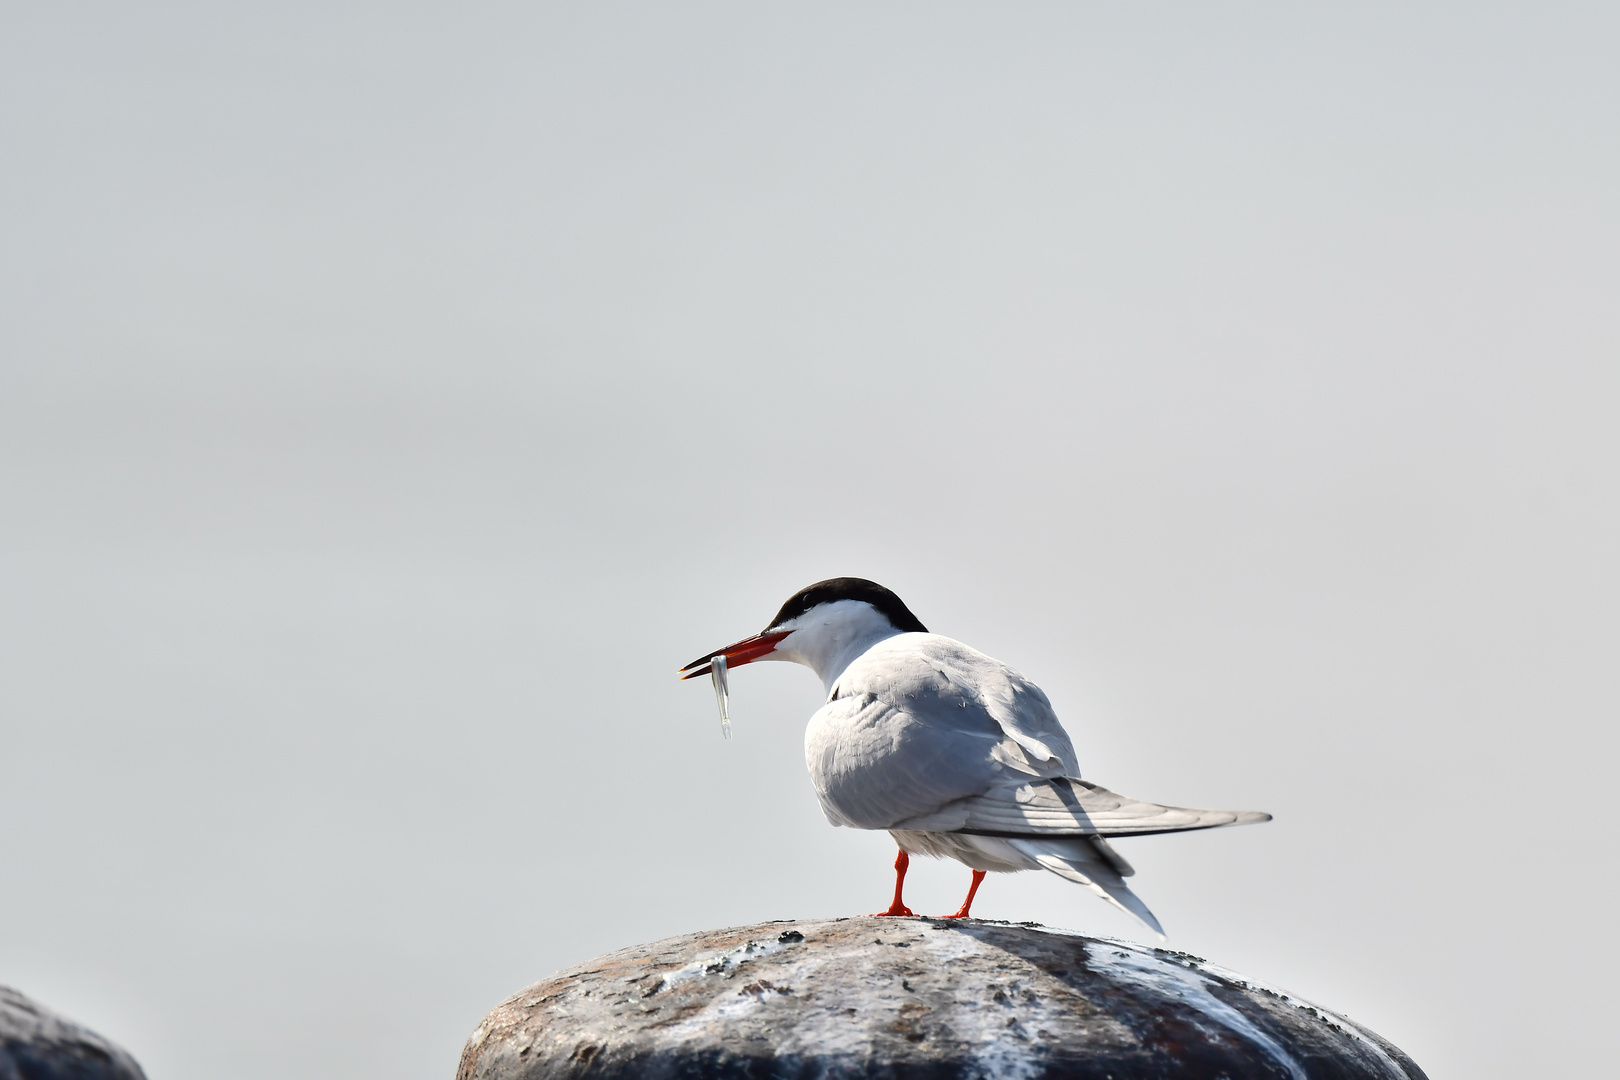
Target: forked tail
(1092,862)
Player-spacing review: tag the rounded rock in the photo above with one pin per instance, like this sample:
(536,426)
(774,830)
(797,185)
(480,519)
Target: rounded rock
(914,999)
(36,1044)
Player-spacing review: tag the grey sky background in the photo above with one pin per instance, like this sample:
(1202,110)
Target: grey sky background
(393,397)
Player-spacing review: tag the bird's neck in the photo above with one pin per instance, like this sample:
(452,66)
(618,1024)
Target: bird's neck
(827,645)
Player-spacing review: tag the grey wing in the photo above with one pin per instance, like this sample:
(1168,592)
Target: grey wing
(1026,717)
(925,733)
(1060,806)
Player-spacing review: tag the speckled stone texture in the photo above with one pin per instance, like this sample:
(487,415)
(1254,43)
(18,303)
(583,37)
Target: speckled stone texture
(36,1044)
(914,999)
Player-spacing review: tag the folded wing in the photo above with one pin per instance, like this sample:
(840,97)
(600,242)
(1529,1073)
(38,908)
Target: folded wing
(924,733)
(1067,806)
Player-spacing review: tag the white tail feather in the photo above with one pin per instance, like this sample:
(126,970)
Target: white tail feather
(1076,859)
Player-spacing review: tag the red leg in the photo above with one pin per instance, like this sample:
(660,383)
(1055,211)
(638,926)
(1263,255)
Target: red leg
(978,876)
(898,907)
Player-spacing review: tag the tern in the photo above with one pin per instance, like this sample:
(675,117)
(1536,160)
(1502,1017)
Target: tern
(952,752)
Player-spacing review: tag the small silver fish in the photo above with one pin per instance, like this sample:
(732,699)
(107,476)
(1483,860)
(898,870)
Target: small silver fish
(722,695)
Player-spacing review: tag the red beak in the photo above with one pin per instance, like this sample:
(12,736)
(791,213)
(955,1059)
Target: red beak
(742,652)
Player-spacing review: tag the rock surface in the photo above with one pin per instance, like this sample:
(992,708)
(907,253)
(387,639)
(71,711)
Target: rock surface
(914,999)
(36,1044)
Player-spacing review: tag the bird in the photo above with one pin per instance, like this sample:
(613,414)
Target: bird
(952,752)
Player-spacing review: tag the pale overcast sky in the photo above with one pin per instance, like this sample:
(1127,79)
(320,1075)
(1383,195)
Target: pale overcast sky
(392,398)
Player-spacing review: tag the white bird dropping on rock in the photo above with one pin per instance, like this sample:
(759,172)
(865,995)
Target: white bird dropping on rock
(722,696)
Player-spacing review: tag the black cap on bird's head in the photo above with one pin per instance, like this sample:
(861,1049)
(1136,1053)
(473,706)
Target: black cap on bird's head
(850,588)
(801,603)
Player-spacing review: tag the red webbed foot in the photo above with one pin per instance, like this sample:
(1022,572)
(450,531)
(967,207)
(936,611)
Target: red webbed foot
(901,862)
(896,909)
(967,905)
